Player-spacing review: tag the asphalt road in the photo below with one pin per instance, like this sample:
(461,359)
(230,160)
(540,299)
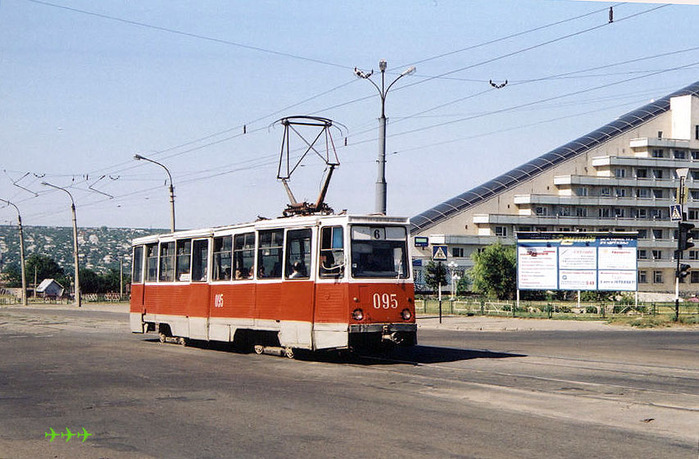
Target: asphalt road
(605,392)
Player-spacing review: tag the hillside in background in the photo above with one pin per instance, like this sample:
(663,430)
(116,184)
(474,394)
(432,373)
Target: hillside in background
(100,248)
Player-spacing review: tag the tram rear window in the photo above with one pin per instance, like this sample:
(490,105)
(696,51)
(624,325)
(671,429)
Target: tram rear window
(269,254)
(222,258)
(332,252)
(137,265)
(152,262)
(379,251)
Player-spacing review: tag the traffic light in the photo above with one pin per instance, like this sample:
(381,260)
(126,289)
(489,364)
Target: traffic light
(684,239)
(683,271)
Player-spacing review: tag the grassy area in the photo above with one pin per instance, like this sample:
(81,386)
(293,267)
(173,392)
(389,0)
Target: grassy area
(644,315)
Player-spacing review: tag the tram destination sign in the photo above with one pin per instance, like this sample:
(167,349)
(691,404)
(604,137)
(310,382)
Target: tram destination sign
(577,261)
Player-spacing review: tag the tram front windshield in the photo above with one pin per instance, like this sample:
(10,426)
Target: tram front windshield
(379,252)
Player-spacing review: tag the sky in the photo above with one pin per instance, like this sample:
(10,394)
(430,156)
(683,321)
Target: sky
(200,86)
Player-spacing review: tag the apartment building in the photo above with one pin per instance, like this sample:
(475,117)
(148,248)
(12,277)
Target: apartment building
(620,177)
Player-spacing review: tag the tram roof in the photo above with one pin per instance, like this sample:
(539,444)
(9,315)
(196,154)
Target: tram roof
(281,222)
(525,172)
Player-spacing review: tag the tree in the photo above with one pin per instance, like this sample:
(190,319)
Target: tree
(13,275)
(435,274)
(495,271)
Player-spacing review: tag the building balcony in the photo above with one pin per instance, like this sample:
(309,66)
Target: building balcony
(632,161)
(603,201)
(578,222)
(592,180)
(650,142)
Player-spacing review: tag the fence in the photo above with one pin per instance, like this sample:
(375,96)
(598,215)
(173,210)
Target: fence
(554,309)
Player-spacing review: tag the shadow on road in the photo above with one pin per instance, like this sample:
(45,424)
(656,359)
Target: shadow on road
(414,355)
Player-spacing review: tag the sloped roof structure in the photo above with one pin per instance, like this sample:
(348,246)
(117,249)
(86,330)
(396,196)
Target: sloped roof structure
(538,165)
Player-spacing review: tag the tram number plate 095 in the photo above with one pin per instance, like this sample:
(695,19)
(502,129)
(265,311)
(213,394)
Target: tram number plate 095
(385,301)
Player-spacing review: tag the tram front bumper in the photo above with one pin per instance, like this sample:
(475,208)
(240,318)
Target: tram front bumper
(404,334)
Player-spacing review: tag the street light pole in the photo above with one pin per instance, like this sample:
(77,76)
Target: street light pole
(172,188)
(21,252)
(381,186)
(76,260)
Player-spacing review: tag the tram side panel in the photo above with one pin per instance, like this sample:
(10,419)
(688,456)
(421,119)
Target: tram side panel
(183,308)
(331,316)
(231,306)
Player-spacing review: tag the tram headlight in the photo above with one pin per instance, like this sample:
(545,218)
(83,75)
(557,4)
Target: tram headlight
(406,314)
(358,314)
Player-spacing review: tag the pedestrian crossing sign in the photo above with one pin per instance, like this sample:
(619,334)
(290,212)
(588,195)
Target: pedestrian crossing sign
(439,252)
(676,213)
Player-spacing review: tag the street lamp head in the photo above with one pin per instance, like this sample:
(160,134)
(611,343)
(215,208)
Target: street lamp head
(682,172)
(362,74)
(137,157)
(409,71)
(383,65)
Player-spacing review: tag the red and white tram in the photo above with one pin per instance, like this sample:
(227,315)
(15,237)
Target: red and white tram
(305,282)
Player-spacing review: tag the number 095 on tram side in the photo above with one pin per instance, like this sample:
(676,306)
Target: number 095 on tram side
(303,282)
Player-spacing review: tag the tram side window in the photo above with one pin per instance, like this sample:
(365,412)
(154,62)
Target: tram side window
(244,255)
(222,257)
(200,258)
(269,254)
(167,261)
(137,265)
(184,259)
(332,252)
(298,254)
(152,262)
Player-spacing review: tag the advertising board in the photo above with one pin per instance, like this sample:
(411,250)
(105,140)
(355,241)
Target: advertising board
(576,261)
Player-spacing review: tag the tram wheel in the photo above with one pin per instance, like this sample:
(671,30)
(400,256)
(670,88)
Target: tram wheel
(162,337)
(259,349)
(182,341)
(289,353)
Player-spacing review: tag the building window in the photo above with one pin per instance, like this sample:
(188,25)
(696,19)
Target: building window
(694,277)
(657,254)
(657,234)
(693,214)
(619,173)
(679,154)
(642,193)
(541,228)
(695,194)
(620,192)
(696,131)
(658,194)
(641,173)
(656,214)
(692,255)
(619,213)
(501,231)
(657,173)
(525,228)
(657,277)
(642,254)
(457,252)
(581,212)
(642,278)
(657,153)
(541,211)
(642,233)
(604,212)
(605,191)
(581,191)
(695,154)
(642,213)
(564,212)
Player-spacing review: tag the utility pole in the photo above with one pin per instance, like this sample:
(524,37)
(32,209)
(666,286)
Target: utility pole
(381,187)
(172,188)
(21,252)
(76,257)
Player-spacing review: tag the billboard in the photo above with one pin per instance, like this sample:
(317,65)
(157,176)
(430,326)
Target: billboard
(576,261)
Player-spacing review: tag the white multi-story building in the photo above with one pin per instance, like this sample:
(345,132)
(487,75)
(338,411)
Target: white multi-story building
(621,177)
